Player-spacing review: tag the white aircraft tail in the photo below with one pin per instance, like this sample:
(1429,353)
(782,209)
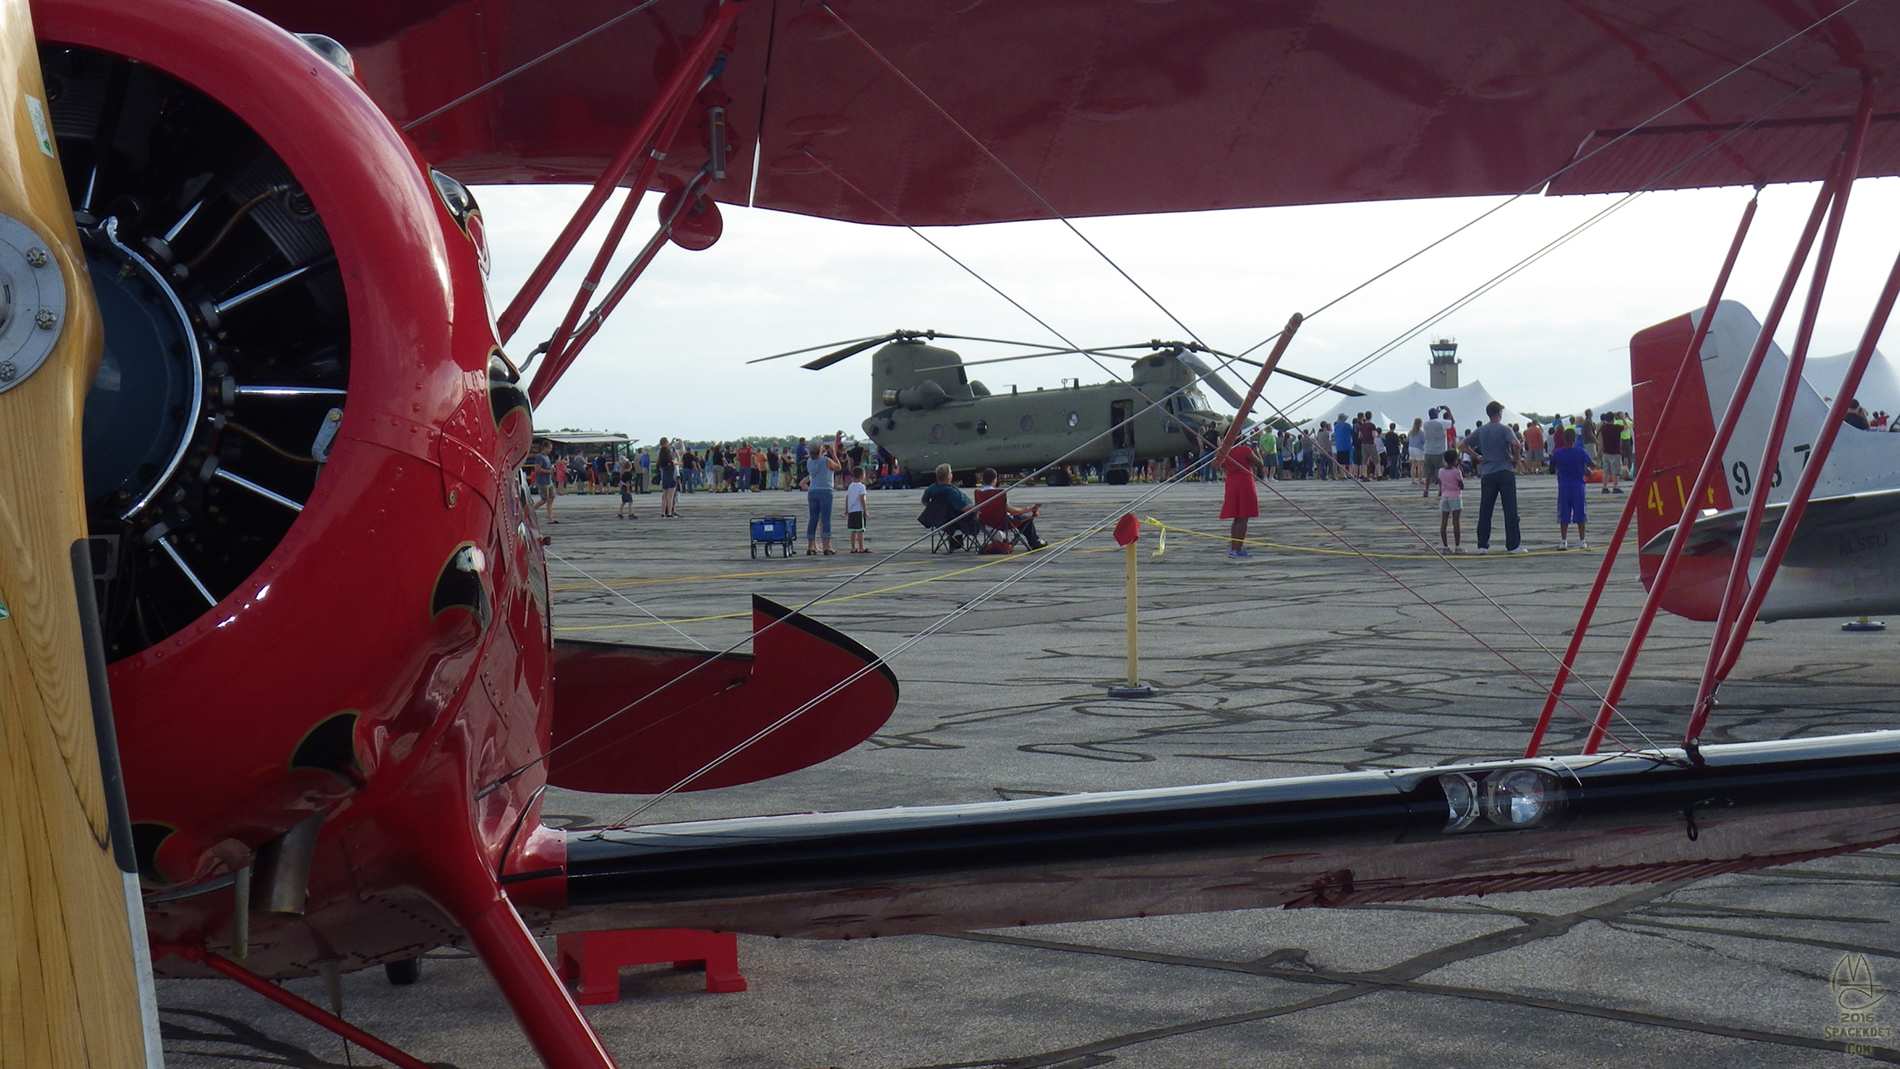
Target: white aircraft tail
(1860,462)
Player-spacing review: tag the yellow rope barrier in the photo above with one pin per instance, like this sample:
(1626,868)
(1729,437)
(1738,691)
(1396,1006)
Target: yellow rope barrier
(1150,520)
(827,601)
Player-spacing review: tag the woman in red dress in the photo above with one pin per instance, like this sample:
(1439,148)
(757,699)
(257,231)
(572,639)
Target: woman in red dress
(1241,503)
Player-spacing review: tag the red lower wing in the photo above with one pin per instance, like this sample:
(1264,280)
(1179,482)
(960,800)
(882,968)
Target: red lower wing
(643,719)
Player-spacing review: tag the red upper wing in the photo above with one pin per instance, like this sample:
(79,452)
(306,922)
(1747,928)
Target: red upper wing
(1125,107)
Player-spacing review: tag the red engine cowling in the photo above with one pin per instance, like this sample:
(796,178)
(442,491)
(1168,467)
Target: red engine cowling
(301,453)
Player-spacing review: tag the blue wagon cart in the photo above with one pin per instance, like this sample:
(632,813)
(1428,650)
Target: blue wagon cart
(769,531)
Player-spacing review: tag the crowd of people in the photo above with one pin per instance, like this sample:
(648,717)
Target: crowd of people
(1437,454)
(820,468)
(1356,447)
(721,468)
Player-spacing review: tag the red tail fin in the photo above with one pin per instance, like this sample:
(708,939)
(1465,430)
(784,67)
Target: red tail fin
(1671,454)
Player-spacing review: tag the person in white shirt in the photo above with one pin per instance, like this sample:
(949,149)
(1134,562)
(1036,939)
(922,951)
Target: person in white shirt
(854,510)
(1435,431)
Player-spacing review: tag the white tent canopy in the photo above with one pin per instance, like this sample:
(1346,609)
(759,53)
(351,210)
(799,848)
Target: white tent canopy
(1879,387)
(1403,405)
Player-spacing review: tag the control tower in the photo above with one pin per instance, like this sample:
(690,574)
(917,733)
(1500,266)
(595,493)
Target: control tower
(1444,364)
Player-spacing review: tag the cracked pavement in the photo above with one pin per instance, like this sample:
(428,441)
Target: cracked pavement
(1305,660)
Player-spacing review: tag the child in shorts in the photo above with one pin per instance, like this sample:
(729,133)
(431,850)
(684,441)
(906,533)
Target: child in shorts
(1573,465)
(1451,494)
(626,493)
(854,509)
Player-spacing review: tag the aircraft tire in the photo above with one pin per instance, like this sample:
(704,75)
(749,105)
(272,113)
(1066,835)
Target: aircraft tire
(403,973)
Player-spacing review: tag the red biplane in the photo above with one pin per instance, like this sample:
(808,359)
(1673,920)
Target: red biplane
(320,584)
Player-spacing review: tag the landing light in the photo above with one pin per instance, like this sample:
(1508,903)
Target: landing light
(1508,798)
(1520,797)
(1463,803)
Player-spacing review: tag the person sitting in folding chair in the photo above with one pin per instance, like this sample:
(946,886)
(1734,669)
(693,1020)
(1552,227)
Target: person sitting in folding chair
(993,512)
(948,513)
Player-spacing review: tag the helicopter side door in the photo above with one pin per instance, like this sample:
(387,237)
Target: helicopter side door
(1123,434)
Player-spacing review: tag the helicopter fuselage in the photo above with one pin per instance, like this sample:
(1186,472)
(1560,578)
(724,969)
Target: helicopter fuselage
(930,413)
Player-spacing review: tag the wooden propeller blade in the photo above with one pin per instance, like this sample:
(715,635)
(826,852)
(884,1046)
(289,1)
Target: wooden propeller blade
(66,954)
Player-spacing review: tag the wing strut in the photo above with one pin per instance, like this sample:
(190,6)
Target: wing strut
(1644,478)
(680,89)
(299,1006)
(1259,383)
(1830,189)
(1729,625)
(1804,485)
(567,342)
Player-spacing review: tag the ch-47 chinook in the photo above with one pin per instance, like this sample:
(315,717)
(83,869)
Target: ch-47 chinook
(321,595)
(927,410)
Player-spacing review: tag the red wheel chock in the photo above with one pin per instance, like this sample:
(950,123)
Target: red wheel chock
(596,958)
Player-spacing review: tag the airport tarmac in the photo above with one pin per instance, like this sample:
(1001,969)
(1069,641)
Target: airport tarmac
(1335,648)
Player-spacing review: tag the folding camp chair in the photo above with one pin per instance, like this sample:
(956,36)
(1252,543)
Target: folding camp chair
(953,538)
(992,511)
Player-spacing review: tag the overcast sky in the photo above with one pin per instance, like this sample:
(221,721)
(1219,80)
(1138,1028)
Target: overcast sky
(1554,338)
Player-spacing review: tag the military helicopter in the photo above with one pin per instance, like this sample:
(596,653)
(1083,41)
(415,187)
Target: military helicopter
(927,411)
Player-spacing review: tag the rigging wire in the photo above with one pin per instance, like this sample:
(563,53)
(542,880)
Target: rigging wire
(1461,573)
(856,575)
(1542,184)
(616,593)
(1036,564)
(1472,295)
(1226,363)
(994,158)
(1498,279)
(530,65)
(1561,171)
(1354,549)
(1383,570)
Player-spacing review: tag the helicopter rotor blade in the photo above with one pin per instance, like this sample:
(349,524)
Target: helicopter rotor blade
(846,353)
(854,346)
(1314,381)
(1000,341)
(906,335)
(1030,356)
(1308,379)
(810,349)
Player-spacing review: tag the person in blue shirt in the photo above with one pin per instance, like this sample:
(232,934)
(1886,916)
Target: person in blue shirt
(1496,448)
(1572,464)
(960,508)
(1342,446)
